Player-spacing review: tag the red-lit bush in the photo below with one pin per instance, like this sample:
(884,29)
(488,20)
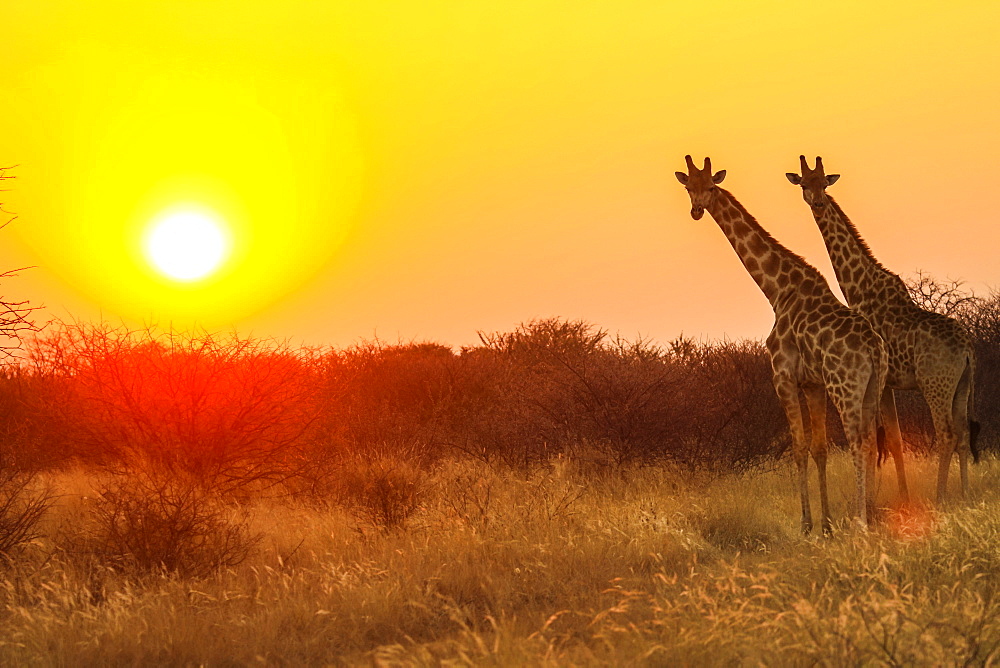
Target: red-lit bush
(227,410)
(378,396)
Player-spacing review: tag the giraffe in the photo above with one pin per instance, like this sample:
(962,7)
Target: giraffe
(928,351)
(818,346)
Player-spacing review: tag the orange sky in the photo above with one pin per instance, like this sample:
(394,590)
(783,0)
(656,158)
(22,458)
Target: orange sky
(423,170)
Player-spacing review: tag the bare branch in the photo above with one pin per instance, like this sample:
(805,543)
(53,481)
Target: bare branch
(948,297)
(15,316)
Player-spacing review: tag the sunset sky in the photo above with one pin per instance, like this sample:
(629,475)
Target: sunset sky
(423,170)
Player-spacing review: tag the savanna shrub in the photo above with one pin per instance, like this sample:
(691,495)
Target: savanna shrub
(569,383)
(733,418)
(376,396)
(385,491)
(146,521)
(24,501)
(227,411)
(573,384)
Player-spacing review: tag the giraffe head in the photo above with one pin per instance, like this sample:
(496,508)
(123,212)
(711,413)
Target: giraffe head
(814,183)
(701,185)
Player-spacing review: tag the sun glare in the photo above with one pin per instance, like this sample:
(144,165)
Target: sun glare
(186,246)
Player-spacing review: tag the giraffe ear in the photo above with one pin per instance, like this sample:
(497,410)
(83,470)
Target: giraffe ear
(794,178)
(831,179)
(682,177)
(719,175)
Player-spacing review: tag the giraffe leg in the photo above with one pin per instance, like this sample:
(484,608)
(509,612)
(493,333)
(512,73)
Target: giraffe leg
(963,468)
(816,402)
(870,453)
(945,439)
(861,437)
(858,404)
(894,441)
(960,418)
(788,394)
(856,442)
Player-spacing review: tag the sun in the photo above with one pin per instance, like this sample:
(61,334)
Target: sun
(186,245)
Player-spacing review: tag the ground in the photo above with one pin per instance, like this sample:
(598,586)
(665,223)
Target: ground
(571,565)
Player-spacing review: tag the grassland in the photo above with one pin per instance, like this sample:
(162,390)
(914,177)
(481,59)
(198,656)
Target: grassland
(568,565)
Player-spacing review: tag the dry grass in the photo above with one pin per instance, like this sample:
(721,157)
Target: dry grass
(565,566)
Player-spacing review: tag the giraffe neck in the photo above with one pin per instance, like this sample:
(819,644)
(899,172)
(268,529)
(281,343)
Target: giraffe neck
(770,264)
(860,275)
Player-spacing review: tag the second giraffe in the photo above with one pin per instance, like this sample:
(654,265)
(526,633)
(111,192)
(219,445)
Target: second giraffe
(928,351)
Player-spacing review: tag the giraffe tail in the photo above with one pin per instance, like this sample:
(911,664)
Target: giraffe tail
(883,452)
(877,385)
(974,427)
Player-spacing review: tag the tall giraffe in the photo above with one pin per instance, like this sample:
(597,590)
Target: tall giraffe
(927,351)
(818,346)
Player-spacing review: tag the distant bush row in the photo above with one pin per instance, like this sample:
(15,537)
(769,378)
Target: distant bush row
(241,412)
(237,414)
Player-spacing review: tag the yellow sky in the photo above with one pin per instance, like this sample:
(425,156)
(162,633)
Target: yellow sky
(427,169)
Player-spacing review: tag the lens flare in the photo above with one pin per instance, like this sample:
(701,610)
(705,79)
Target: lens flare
(186,246)
(911,521)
